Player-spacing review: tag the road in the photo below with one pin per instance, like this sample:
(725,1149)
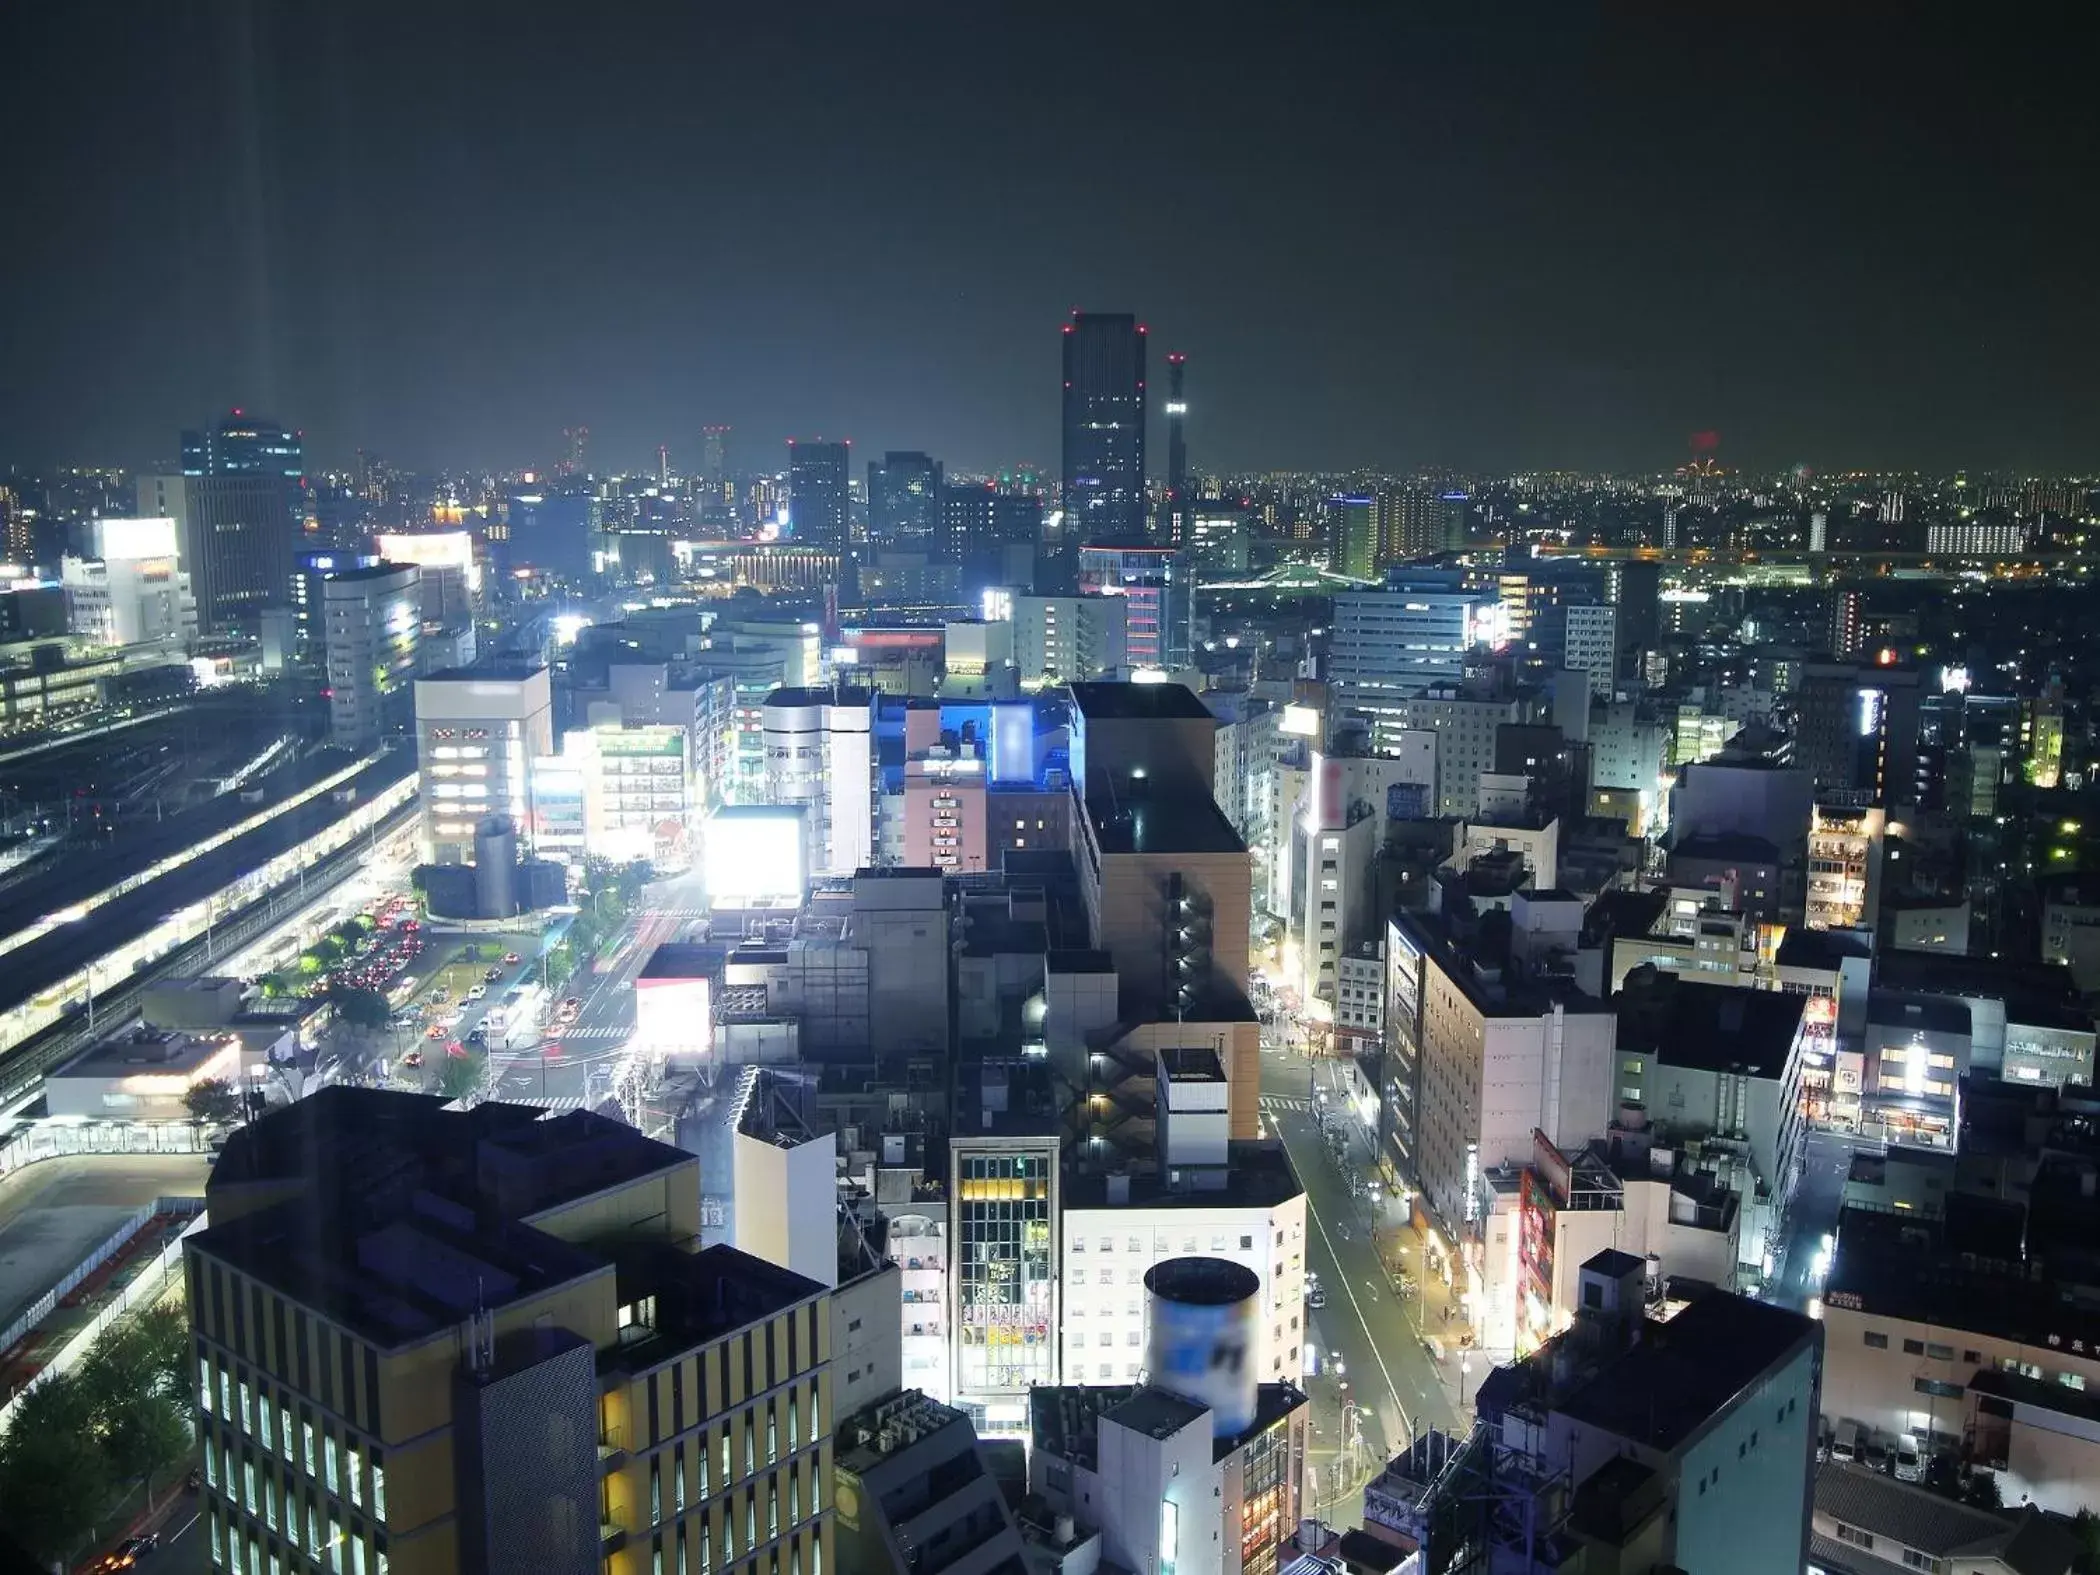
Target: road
(57,1211)
(605,1022)
(1813,1213)
(1384,1362)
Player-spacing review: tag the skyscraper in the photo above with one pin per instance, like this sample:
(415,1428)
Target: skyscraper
(904,501)
(1175,516)
(717,486)
(818,495)
(1104,429)
(239,507)
(1355,538)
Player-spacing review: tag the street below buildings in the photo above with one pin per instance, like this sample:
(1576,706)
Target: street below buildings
(1385,1367)
(1797,1278)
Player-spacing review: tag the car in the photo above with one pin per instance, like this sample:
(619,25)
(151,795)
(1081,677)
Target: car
(454,1047)
(1910,1465)
(510,959)
(477,1037)
(1315,1297)
(477,992)
(414,1058)
(434,1031)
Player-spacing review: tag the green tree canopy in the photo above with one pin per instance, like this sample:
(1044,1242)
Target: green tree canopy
(362,1008)
(461,1075)
(212,1101)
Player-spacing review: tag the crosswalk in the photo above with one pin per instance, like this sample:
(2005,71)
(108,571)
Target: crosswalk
(1285,1102)
(601,1032)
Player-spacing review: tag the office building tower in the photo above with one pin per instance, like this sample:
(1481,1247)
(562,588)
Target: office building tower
(235,530)
(1069,639)
(132,591)
(1393,644)
(478,731)
(1589,645)
(372,624)
(977,520)
(1104,429)
(819,753)
(1003,1222)
(1493,1059)
(1154,582)
(1179,499)
(450,586)
(1634,589)
(244,445)
(310,570)
(1355,527)
(431,1340)
(819,494)
(904,502)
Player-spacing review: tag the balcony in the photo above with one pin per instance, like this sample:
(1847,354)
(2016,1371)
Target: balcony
(612,1449)
(612,1531)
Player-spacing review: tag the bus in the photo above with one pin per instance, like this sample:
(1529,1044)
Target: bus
(518,1015)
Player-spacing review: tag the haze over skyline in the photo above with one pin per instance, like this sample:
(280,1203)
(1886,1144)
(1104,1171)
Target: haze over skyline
(446,233)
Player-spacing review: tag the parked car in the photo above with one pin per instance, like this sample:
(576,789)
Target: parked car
(1910,1465)
(477,992)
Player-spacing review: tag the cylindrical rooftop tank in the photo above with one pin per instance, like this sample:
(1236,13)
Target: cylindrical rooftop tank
(1205,1315)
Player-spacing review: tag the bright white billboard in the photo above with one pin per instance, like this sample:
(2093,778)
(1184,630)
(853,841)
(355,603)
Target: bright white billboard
(755,857)
(118,541)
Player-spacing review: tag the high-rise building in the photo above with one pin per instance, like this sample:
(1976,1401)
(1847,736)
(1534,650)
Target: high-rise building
(478,731)
(310,570)
(132,592)
(1068,639)
(372,624)
(924,1499)
(904,501)
(431,1340)
(1179,500)
(1403,641)
(244,445)
(1104,429)
(819,752)
(1155,583)
(1355,537)
(235,527)
(819,494)
(1414,521)
(976,519)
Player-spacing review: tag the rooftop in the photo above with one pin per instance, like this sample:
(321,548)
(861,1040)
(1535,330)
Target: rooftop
(1827,950)
(1730,845)
(1486,974)
(1192,1064)
(1678,1375)
(1065,1419)
(811,696)
(2026,1543)
(1255,1175)
(1138,702)
(1708,1027)
(1965,1272)
(510,670)
(1930,1014)
(1152,823)
(2037,994)
(684,960)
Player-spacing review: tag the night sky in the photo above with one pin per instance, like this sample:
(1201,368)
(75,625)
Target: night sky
(446,232)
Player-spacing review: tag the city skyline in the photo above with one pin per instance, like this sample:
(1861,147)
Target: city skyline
(1564,245)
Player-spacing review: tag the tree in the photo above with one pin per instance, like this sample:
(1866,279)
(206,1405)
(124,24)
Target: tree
(212,1102)
(54,1477)
(362,1008)
(461,1075)
(1981,1490)
(138,1403)
(2085,1531)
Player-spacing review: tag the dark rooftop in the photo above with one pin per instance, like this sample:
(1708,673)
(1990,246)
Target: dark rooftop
(1966,1272)
(1065,1419)
(1824,949)
(1138,702)
(1932,1014)
(1680,1374)
(1489,980)
(684,960)
(496,669)
(2037,994)
(1630,913)
(1161,822)
(377,571)
(1192,1064)
(1709,1027)
(1257,1175)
